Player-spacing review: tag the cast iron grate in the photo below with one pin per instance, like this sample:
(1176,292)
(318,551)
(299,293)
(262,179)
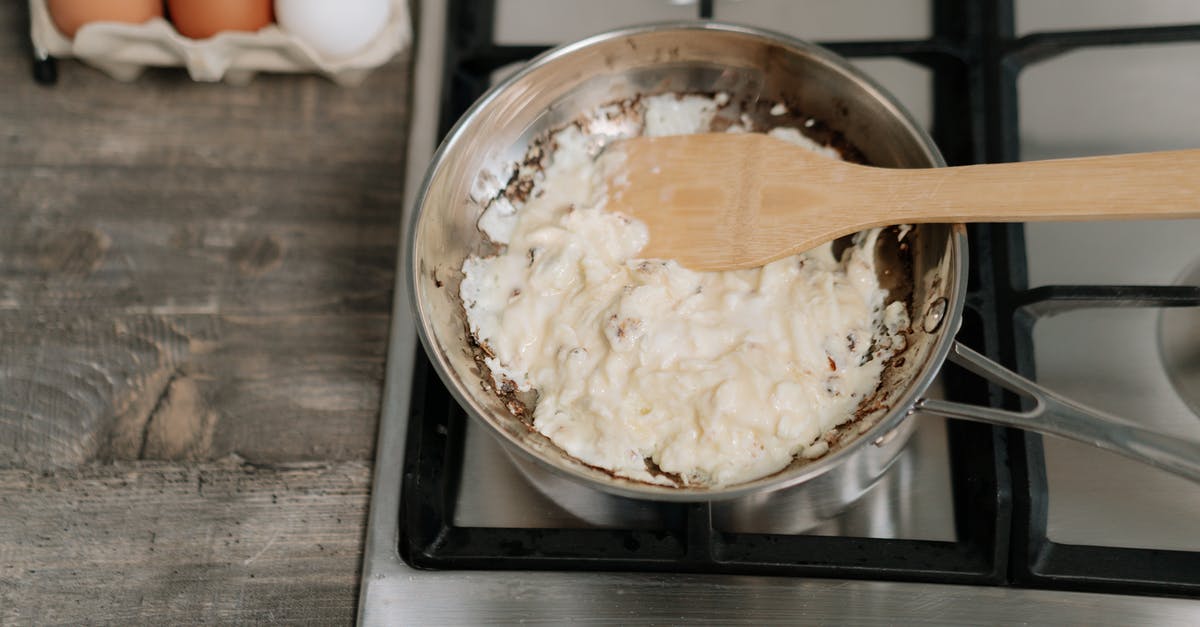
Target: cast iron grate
(999,485)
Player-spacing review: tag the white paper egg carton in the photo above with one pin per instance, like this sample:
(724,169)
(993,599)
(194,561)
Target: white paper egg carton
(124,51)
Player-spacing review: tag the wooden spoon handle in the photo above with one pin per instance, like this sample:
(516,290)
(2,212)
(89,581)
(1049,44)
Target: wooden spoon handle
(1134,186)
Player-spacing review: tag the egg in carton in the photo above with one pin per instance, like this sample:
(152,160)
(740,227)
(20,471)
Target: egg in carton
(124,51)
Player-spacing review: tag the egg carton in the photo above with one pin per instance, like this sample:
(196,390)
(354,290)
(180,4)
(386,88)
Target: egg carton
(124,51)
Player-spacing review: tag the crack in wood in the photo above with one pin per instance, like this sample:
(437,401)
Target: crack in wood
(182,424)
(154,411)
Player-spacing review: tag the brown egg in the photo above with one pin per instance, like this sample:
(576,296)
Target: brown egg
(69,15)
(201,19)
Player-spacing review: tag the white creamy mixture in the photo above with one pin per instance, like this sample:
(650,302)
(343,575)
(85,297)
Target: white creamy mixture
(658,373)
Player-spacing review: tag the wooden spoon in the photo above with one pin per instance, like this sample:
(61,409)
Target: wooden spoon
(722,201)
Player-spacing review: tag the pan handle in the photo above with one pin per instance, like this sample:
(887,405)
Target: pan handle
(1056,415)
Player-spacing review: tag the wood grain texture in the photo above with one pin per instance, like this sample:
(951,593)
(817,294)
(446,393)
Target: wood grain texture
(717,201)
(301,387)
(192,270)
(163,543)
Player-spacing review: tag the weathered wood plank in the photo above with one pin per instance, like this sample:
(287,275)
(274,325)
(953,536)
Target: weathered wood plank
(158,243)
(161,543)
(271,388)
(205,215)
(66,379)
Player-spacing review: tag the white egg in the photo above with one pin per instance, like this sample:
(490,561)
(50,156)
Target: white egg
(333,29)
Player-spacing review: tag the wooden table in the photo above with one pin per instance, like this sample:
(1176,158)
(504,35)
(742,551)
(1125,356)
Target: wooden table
(195,289)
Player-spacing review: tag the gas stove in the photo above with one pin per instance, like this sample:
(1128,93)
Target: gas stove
(972,523)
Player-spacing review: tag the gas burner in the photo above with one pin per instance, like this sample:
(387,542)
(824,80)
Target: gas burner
(1179,344)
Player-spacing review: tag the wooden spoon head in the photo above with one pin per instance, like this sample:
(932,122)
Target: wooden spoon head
(720,201)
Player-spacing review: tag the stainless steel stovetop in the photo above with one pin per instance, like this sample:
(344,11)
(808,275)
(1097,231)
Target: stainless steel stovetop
(1110,358)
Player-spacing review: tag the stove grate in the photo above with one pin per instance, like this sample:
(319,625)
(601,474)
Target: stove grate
(999,482)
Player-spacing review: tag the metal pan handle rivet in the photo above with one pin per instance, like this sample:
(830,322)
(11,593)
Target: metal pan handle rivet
(935,314)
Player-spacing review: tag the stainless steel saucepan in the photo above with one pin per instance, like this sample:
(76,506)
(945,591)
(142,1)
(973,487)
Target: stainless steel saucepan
(752,66)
